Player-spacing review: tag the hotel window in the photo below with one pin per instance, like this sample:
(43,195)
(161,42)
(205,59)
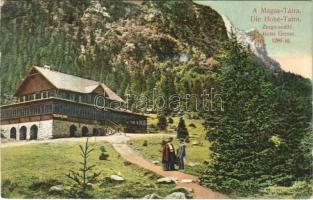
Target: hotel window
(38,95)
(21,98)
(51,93)
(67,96)
(73,97)
(44,95)
(77,97)
(30,97)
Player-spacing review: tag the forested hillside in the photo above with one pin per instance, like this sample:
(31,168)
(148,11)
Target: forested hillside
(133,48)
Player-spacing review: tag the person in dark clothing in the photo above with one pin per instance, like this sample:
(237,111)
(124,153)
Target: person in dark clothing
(168,156)
(181,153)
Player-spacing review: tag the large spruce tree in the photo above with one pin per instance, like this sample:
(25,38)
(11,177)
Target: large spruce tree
(252,145)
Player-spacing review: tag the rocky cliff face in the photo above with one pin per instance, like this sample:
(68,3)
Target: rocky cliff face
(254,41)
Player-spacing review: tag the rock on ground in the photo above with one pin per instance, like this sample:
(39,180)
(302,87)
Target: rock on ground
(186,191)
(166,180)
(180,189)
(155,162)
(117,178)
(186,181)
(176,195)
(56,188)
(152,196)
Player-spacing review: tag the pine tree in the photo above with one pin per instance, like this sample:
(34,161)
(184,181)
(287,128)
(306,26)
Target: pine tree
(241,141)
(162,123)
(182,131)
(85,176)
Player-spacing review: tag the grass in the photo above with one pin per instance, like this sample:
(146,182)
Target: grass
(197,155)
(29,171)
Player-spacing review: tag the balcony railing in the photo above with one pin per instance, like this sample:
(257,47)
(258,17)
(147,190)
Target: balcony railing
(70,109)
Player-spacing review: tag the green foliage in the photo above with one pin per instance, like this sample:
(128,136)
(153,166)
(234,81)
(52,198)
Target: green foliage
(73,37)
(162,123)
(256,142)
(299,190)
(145,143)
(196,153)
(103,154)
(170,120)
(102,149)
(50,161)
(182,131)
(82,179)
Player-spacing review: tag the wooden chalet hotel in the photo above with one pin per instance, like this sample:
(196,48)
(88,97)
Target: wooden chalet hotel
(52,104)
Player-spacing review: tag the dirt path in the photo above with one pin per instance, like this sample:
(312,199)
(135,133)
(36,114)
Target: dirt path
(119,143)
(130,155)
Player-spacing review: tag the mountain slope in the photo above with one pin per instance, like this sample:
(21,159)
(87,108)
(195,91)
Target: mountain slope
(109,41)
(133,47)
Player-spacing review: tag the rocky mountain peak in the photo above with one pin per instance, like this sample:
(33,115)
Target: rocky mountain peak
(254,40)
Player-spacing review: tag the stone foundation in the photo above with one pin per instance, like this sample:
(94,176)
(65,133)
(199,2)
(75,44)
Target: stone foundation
(50,129)
(62,129)
(55,128)
(44,130)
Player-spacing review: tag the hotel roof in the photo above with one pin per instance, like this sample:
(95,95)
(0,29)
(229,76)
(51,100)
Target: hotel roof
(72,83)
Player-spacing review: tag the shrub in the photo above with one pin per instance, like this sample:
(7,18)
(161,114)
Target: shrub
(162,123)
(102,149)
(43,184)
(7,187)
(103,155)
(299,190)
(145,143)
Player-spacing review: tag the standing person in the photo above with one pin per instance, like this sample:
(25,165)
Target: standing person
(181,153)
(168,156)
(172,154)
(164,155)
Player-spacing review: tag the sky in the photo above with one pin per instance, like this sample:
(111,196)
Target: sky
(295,56)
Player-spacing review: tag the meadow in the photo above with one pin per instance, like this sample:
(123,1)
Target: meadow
(29,171)
(198,156)
(197,150)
